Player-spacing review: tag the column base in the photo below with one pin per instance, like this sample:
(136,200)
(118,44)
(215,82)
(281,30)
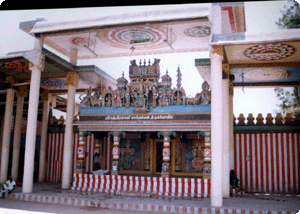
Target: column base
(114,173)
(165,174)
(80,171)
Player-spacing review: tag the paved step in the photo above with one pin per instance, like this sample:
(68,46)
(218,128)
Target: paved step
(93,200)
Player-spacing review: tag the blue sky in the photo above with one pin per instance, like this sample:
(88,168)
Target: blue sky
(260,17)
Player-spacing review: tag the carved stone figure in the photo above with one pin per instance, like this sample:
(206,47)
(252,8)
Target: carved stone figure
(205,95)
(145,90)
(85,101)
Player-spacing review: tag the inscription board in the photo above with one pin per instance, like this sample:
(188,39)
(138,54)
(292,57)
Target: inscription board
(144,117)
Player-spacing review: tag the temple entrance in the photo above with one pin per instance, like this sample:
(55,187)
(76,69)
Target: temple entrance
(159,156)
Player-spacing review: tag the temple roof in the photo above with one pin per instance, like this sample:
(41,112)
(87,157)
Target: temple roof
(164,29)
(173,12)
(16,64)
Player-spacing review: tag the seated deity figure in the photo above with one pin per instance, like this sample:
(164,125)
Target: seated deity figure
(205,95)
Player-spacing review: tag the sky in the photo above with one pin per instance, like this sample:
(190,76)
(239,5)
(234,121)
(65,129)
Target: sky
(260,18)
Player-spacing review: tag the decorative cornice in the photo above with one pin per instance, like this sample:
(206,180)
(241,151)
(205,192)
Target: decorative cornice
(268,64)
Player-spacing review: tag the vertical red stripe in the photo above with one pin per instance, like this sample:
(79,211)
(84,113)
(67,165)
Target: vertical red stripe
(62,152)
(241,162)
(261,163)
(246,162)
(202,187)
(49,157)
(294,159)
(251,162)
(282,162)
(277,164)
(257,162)
(267,162)
(272,161)
(235,156)
(288,162)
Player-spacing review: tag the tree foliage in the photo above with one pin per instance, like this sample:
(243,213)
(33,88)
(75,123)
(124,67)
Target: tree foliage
(289,101)
(291,16)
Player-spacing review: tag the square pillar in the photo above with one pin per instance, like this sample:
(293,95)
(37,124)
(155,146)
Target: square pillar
(166,166)
(116,151)
(80,162)
(207,155)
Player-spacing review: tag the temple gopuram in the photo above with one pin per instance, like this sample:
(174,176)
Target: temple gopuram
(155,129)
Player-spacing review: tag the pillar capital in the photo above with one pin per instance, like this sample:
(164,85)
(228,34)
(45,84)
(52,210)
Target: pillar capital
(46,96)
(72,79)
(217,52)
(10,81)
(226,71)
(166,134)
(117,133)
(22,91)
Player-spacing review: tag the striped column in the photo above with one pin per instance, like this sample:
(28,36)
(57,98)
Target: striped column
(207,155)
(80,162)
(116,152)
(165,170)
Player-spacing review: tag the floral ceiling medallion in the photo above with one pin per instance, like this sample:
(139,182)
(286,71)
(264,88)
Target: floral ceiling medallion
(269,52)
(197,31)
(137,37)
(82,41)
(54,83)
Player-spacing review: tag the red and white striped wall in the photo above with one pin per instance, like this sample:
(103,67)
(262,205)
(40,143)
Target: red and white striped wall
(55,154)
(182,187)
(268,162)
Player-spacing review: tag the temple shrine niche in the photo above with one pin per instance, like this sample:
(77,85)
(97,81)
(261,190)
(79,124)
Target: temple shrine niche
(145,90)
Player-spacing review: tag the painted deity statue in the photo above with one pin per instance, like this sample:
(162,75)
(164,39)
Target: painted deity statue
(205,95)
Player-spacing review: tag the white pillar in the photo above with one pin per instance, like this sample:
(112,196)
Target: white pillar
(72,82)
(231,130)
(44,133)
(32,119)
(216,130)
(22,92)
(226,124)
(6,134)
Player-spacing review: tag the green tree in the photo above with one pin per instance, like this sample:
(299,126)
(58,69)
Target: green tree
(289,101)
(291,16)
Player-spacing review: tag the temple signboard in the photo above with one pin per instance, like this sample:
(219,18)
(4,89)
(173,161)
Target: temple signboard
(146,117)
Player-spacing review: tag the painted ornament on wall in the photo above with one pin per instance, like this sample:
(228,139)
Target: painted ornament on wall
(82,41)
(137,37)
(16,66)
(197,31)
(269,52)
